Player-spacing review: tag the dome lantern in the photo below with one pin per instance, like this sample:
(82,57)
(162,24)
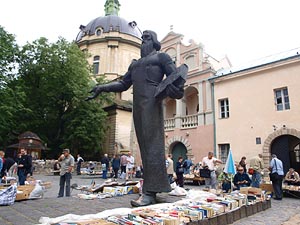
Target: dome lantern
(112,7)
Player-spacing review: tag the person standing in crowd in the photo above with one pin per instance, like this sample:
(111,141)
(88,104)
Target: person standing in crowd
(1,163)
(292,177)
(129,167)
(79,161)
(123,160)
(188,163)
(115,163)
(105,166)
(256,163)
(210,161)
(170,167)
(243,163)
(67,164)
(276,167)
(23,166)
(7,164)
(30,169)
(241,179)
(180,171)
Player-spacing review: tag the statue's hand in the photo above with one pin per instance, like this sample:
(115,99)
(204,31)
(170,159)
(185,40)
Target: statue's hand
(175,92)
(96,91)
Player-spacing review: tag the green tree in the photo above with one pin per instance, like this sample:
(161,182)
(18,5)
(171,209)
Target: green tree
(8,54)
(55,79)
(11,93)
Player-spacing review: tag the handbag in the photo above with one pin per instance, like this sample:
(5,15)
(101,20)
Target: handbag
(205,173)
(274,176)
(180,170)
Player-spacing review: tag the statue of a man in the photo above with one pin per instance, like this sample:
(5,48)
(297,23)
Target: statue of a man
(146,75)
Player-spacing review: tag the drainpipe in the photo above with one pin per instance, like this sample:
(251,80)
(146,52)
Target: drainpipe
(214,121)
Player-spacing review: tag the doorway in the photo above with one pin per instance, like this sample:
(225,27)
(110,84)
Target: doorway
(287,149)
(179,149)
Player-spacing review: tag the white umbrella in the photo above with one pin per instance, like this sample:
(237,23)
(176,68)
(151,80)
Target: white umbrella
(230,166)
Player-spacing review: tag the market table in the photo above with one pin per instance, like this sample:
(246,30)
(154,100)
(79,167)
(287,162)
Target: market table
(194,179)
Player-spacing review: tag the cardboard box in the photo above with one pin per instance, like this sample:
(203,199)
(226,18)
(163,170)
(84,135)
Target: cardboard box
(95,222)
(244,190)
(23,192)
(250,190)
(255,191)
(266,187)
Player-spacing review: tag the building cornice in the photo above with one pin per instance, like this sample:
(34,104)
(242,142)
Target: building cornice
(106,39)
(256,69)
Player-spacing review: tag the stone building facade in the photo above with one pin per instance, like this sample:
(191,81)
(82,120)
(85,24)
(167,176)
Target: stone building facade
(257,109)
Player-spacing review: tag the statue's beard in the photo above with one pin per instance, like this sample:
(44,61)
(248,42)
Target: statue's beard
(146,49)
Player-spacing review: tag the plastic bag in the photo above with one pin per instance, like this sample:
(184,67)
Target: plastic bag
(37,192)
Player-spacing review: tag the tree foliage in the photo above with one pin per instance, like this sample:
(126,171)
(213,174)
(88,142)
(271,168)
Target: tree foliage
(11,95)
(8,54)
(52,83)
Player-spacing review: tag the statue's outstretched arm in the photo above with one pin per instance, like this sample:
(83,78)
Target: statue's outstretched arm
(117,86)
(110,87)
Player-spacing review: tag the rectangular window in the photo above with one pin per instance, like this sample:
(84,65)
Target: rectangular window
(258,140)
(223,152)
(96,64)
(96,68)
(224,108)
(282,101)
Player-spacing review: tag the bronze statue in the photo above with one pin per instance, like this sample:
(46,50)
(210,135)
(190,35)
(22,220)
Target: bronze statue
(146,75)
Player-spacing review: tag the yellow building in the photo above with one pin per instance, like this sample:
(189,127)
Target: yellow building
(257,109)
(112,43)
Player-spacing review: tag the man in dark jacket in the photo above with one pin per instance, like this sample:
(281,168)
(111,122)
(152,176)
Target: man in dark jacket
(24,164)
(241,179)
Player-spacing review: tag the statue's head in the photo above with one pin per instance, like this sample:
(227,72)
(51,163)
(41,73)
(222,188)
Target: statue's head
(149,43)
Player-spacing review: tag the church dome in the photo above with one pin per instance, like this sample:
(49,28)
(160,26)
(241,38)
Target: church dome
(109,23)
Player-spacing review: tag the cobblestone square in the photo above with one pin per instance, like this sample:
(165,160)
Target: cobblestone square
(285,212)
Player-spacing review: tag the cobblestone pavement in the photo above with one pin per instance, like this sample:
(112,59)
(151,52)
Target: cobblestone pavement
(27,212)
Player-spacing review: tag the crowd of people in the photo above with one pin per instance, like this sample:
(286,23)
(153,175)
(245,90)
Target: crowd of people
(123,167)
(247,174)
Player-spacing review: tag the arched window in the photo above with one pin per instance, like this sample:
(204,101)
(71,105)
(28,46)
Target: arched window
(96,64)
(191,61)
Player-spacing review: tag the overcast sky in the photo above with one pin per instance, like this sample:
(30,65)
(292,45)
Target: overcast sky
(241,29)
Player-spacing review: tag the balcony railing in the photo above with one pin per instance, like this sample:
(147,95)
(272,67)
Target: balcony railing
(169,124)
(189,121)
